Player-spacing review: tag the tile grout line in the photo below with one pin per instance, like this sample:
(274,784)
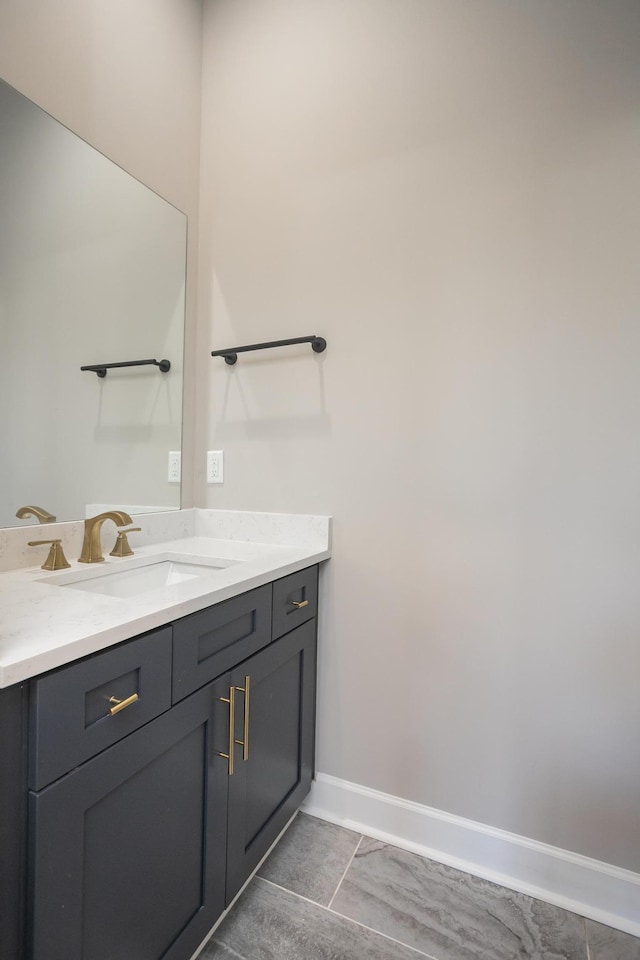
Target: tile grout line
(344,873)
(233,953)
(586,938)
(293,893)
(379,933)
(357,923)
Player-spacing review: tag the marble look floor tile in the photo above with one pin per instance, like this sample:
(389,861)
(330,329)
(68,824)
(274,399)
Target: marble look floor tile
(311,858)
(608,944)
(269,923)
(453,915)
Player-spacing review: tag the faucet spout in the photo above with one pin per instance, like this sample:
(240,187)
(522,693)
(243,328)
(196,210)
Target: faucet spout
(42,515)
(91,545)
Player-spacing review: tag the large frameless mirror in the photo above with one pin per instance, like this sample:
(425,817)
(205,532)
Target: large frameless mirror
(92,272)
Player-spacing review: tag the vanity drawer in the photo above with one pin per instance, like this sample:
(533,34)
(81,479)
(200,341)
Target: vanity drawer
(295,600)
(71,718)
(207,643)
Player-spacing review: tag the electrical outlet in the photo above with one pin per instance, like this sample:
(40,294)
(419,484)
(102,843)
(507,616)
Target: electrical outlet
(174,466)
(215,466)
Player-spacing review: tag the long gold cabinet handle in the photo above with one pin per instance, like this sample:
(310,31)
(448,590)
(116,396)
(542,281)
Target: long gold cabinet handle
(299,603)
(244,743)
(119,705)
(231,700)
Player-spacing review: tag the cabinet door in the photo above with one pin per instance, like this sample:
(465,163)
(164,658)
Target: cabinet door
(128,850)
(267,787)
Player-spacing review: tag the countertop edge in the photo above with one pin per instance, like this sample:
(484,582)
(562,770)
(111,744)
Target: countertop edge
(14,670)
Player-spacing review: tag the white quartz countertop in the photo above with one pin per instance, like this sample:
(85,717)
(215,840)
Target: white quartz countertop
(45,625)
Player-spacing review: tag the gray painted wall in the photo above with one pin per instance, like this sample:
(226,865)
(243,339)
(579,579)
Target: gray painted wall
(448,191)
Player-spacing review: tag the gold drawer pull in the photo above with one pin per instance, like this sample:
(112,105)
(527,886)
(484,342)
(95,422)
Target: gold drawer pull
(231,700)
(244,743)
(121,704)
(299,604)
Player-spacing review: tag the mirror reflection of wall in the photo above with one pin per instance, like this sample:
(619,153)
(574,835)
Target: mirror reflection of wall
(92,270)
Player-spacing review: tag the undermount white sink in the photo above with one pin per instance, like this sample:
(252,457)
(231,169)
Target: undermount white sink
(140,579)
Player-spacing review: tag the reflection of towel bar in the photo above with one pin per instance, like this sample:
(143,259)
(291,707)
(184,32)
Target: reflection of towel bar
(318,344)
(101,368)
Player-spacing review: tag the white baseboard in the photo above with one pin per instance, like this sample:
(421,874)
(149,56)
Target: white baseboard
(593,889)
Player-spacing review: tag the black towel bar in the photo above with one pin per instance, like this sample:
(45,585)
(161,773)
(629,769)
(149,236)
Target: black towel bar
(230,354)
(101,368)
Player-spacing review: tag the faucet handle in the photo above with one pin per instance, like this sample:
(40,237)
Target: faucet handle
(56,559)
(122,548)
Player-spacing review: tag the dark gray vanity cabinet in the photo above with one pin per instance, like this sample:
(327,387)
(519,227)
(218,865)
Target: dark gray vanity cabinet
(143,824)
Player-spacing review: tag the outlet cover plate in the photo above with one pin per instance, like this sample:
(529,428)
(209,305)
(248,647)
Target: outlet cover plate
(175,466)
(215,466)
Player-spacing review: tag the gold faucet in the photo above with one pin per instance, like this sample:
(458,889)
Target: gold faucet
(43,515)
(91,546)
